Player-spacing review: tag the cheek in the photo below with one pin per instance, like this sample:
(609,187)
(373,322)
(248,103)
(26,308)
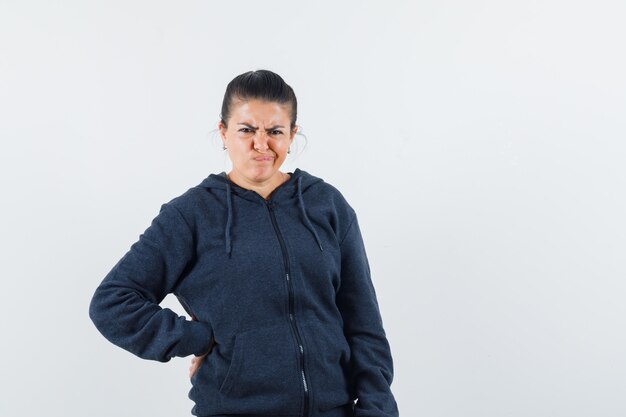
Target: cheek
(242,146)
(281,146)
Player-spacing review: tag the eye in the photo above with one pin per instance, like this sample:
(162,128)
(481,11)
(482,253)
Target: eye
(245,130)
(276,132)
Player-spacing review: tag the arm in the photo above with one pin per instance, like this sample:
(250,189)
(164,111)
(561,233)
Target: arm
(371,360)
(125,306)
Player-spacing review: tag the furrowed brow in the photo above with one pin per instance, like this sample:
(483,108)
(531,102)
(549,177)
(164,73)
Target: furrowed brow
(254,127)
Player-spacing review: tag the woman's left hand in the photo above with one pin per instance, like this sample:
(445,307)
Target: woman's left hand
(196,361)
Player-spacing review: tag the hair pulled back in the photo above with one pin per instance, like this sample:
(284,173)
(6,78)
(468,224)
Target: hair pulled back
(261,85)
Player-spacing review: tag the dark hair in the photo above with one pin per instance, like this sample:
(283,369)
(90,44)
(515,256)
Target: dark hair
(262,85)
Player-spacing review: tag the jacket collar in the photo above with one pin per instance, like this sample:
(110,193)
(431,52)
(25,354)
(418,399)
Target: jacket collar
(296,185)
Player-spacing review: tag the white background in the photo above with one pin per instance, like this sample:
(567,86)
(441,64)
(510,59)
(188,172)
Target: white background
(481,143)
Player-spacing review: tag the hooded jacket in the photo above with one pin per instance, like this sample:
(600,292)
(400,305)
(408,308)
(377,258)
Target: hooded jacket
(280,296)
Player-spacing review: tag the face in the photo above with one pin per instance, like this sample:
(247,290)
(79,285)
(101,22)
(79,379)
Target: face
(257,139)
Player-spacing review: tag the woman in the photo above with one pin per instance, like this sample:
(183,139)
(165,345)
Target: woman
(272,269)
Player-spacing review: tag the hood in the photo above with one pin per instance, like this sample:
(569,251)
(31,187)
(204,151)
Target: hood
(295,187)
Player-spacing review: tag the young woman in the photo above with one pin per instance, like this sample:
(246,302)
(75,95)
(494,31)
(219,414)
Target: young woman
(272,269)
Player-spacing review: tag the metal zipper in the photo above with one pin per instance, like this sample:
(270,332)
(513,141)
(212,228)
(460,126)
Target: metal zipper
(292,319)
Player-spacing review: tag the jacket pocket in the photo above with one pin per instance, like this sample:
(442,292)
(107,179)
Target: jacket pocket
(263,376)
(329,359)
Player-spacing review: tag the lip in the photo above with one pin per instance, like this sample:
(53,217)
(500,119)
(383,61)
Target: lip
(263,158)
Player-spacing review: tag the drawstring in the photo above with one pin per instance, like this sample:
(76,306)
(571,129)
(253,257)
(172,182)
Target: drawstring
(229,220)
(307,221)
(306,218)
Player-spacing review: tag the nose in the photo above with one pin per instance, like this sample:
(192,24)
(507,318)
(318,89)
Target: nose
(260,142)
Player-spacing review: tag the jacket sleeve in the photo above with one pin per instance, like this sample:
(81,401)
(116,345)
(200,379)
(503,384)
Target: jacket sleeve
(371,360)
(125,306)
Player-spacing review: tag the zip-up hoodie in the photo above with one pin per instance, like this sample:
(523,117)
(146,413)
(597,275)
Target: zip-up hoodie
(280,296)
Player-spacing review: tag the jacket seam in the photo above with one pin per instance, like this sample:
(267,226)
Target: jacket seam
(174,289)
(181,216)
(349,227)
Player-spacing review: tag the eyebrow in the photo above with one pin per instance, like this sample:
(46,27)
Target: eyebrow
(253,127)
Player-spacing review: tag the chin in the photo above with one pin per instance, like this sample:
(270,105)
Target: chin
(261,173)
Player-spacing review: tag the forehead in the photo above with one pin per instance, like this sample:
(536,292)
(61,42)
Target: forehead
(259,111)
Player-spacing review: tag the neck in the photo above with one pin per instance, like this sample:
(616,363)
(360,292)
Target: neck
(264,189)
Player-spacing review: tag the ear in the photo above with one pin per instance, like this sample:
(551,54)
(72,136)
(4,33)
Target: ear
(222,129)
(293,132)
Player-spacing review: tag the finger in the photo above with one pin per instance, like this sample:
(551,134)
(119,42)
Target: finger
(192,370)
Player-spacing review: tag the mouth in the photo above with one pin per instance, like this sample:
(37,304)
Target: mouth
(263,158)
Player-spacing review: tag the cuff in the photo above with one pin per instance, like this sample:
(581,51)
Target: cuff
(198,338)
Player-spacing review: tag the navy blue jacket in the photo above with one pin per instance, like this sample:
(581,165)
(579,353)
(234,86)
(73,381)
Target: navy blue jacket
(280,294)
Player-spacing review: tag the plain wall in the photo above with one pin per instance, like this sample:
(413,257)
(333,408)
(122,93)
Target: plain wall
(481,144)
